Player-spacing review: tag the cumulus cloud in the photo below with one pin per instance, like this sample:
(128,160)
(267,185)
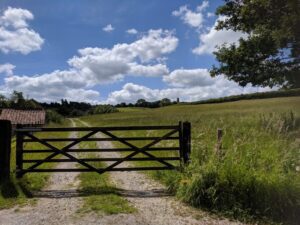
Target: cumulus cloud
(213,38)
(186,84)
(130,92)
(189,78)
(192,18)
(52,86)
(7,69)
(108,28)
(102,65)
(132,31)
(93,66)
(15,34)
(148,70)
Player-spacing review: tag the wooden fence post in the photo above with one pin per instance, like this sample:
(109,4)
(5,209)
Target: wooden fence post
(219,142)
(5,149)
(186,134)
(19,152)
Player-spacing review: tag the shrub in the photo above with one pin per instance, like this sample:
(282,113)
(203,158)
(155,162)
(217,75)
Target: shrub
(53,116)
(101,109)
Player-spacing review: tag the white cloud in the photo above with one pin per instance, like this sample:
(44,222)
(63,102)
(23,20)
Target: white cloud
(102,65)
(210,14)
(189,78)
(93,66)
(203,6)
(7,69)
(15,34)
(153,45)
(192,18)
(53,86)
(149,70)
(108,28)
(221,87)
(132,31)
(213,38)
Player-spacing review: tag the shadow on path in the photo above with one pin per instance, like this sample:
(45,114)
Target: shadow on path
(88,192)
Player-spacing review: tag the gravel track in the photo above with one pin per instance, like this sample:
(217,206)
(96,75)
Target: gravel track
(58,202)
(54,205)
(154,206)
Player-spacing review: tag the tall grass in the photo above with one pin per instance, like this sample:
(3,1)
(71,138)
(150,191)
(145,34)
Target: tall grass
(257,175)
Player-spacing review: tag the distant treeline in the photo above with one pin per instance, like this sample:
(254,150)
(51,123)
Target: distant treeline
(74,109)
(55,111)
(146,104)
(260,95)
(17,101)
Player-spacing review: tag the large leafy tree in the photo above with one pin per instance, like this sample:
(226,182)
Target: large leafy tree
(269,55)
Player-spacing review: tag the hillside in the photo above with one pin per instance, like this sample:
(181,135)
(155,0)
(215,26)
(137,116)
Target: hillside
(258,173)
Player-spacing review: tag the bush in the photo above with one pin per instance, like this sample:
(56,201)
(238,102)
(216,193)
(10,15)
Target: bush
(53,116)
(101,109)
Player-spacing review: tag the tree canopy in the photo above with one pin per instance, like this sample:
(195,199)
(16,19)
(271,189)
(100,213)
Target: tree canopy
(269,56)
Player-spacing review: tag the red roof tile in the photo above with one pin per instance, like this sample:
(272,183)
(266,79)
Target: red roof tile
(24,117)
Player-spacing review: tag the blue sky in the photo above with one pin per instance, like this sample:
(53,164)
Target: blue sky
(112,51)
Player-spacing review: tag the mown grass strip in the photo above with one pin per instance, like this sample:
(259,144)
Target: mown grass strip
(101,195)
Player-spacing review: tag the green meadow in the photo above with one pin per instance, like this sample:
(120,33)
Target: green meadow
(255,176)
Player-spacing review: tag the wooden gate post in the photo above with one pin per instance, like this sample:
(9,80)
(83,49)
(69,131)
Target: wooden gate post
(186,145)
(5,149)
(19,153)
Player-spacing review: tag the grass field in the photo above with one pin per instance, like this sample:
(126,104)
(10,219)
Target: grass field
(17,191)
(257,176)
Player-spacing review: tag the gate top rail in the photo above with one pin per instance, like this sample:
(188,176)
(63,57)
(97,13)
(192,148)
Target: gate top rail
(55,129)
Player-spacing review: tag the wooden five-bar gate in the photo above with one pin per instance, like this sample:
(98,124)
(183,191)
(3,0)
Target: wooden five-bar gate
(180,134)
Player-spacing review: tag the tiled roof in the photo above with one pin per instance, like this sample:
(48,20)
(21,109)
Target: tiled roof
(25,117)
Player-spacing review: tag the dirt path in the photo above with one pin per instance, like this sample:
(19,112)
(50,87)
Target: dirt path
(149,197)
(54,205)
(58,202)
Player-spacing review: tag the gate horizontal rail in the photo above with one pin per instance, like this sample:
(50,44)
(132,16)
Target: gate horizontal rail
(100,139)
(180,133)
(100,159)
(54,129)
(102,150)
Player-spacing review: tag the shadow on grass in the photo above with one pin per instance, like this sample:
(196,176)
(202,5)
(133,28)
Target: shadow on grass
(9,189)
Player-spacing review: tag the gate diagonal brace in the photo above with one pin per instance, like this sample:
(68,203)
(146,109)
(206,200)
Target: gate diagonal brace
(138,150)
(62,151)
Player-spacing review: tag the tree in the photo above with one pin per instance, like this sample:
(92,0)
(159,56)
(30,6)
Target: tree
(165,102)
(269,56)
(3,101)
(17,100)
(141,103)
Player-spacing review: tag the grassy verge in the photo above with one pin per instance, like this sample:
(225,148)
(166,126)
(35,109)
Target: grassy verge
(101,195)
(17,191)
(258,175)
